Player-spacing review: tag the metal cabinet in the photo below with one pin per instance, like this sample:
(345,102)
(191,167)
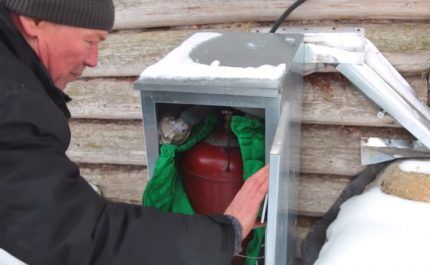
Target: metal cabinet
(239,70)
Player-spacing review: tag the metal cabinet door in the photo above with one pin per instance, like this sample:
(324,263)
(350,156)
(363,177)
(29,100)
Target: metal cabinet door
(283,189)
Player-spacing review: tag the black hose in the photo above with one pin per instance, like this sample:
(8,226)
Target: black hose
(316,237)
(285,15)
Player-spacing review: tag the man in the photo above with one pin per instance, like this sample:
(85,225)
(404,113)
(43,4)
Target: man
(48,213)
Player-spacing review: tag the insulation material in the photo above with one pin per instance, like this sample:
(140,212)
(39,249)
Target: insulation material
(409,180)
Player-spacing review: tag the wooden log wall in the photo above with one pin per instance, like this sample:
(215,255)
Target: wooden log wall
(106,126)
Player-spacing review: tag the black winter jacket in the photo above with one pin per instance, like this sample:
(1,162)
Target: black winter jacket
(49,214)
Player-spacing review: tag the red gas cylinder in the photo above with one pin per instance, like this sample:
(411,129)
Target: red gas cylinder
(212,172)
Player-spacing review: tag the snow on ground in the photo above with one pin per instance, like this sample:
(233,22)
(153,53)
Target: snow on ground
(379,229)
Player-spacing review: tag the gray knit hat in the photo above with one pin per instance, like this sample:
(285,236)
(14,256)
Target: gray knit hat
(92,14)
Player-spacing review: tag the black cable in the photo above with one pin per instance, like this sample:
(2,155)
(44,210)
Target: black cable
(285,15)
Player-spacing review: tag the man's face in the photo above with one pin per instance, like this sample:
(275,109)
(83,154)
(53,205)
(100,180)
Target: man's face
(66,51)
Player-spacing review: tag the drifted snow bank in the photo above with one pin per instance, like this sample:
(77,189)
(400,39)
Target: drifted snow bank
(375,228)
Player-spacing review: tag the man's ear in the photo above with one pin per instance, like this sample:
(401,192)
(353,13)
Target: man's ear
(28,26)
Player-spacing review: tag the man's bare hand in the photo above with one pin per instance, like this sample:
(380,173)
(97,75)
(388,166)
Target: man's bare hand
(247,201)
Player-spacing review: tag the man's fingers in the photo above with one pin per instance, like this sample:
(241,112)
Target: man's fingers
(258,184)
(247,201)
(259,179)
(261,174)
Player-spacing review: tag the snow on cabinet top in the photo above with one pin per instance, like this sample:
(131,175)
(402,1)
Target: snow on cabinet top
(209,56)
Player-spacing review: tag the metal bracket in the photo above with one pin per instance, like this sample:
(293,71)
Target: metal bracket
(376,150)
(364,65)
